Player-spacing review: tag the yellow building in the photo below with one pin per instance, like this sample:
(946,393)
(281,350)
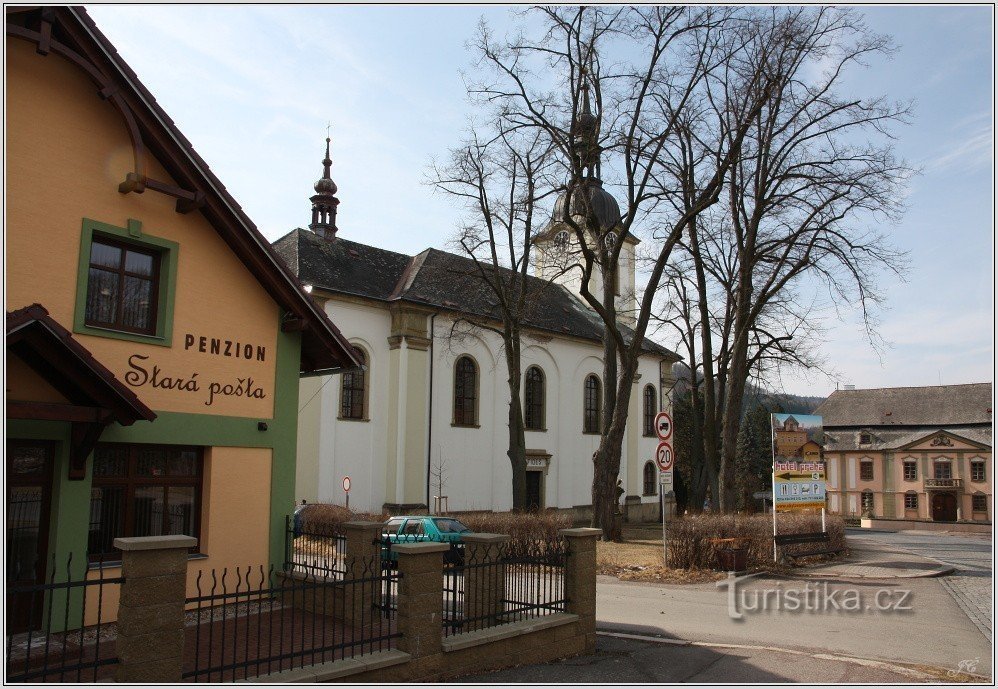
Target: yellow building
(154,340)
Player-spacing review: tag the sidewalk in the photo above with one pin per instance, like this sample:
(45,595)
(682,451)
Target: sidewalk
(875,562)
(630,659)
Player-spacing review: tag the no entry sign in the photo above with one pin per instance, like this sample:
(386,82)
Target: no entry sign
(663,455)
(663,425)
(346,484)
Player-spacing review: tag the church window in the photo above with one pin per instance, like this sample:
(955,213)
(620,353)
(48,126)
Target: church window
(465,392)
(534,399)
(649,478)
(561,240)
(649,411)
(353,392)
(592,405)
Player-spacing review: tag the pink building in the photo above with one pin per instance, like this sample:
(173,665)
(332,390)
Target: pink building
(910,453)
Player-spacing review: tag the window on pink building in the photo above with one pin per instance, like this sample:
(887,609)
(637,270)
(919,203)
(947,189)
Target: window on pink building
(911,501)
(866,471)
(980,503)
(943,470)
(977,472)
(910,471)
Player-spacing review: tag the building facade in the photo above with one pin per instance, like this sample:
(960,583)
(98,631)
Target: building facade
(428,417)
(910,453)
(154,341)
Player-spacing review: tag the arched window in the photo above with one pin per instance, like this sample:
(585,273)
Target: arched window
(650,411)
(592,405)
(465,392)
(353,391)
(533,396)
(649,478)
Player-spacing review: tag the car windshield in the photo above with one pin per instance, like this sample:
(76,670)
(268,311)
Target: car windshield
(450,526)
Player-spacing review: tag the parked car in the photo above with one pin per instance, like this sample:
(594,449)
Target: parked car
(422,528)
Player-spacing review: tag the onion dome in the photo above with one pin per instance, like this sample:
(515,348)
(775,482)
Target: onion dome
(324,202)
(590,196)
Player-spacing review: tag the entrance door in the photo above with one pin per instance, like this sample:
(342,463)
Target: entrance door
(944,507)
(535,493)
(29,488)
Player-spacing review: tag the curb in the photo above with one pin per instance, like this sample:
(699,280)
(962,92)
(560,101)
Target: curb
(944,571)
(900,669)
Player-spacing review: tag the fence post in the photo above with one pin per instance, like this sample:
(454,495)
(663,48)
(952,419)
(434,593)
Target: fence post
(150,642)
(484,580)
(362,560)
(421,597)
(580,579)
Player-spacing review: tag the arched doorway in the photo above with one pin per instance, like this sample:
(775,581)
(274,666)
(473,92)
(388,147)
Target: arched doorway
(944,507)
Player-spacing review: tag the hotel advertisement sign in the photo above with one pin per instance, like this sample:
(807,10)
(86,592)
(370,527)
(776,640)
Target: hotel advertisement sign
(798,467)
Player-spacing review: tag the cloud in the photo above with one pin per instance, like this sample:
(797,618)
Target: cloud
(972,150)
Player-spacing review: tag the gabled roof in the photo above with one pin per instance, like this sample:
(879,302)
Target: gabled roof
(75,36)
(935,406)
(69,367)
(847,440)
(433,278)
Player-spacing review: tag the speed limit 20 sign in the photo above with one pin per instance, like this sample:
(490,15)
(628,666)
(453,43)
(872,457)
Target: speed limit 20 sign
(664,456)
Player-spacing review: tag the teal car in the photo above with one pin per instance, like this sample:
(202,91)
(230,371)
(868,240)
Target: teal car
(418,529)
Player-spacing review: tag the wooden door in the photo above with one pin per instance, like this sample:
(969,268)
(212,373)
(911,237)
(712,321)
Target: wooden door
(944,507)
(535,493)
(29,491)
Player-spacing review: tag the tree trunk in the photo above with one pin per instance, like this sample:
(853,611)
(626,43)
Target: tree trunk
(607,468)
(517,450)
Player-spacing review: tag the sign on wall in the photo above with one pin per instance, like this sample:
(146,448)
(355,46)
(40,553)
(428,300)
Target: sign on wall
(798,467)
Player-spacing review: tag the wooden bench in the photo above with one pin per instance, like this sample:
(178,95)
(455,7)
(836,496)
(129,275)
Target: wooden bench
(814,537)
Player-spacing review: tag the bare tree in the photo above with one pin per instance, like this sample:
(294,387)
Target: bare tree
(500,180)
(543,84)
(815,176)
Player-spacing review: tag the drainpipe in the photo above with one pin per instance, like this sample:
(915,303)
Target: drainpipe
(429,431)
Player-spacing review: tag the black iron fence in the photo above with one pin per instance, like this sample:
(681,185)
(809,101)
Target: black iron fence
(314,549)
(251,622)
(498,583)
(57,630)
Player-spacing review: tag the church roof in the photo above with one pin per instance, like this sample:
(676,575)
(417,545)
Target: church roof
(432,278)
(935,406)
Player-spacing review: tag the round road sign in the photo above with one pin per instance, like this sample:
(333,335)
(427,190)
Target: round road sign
(663,425)
(663,456)
(346,484)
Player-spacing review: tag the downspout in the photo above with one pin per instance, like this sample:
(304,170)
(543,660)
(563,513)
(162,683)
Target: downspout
(429,430)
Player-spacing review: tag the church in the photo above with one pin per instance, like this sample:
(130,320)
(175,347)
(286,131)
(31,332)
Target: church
(424,423)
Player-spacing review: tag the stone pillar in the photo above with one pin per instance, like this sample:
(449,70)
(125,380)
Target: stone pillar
(150,641)
(580,580)
(484,586)
(362,560)
(420,597)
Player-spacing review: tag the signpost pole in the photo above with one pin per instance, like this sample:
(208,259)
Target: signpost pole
(823,529)
(774,510)
(665,547)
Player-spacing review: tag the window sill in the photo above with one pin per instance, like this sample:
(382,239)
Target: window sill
(591,433)
(465,425)
(98,331)
(347,418)
(109,564)
(536,430)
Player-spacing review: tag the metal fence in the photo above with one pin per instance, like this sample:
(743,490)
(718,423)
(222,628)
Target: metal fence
(501,583)
(249,622)
(56,631)
(312,549)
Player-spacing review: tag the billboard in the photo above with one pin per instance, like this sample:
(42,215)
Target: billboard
(798,467)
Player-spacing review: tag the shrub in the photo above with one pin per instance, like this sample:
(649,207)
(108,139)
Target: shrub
(693,539)
(524,528)
(320,519)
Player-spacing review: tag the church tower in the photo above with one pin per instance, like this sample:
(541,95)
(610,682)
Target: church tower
(324,202)
(557,255)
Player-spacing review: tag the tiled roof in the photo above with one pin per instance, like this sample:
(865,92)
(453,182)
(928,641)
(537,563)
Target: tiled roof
(434,278)
(936,406)
(847,440)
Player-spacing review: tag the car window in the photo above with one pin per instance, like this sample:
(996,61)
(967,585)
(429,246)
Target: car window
(391,526)
(413,526)
(450,526)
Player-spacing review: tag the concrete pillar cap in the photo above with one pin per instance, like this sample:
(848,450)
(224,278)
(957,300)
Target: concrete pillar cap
(132,543)
(420,548)
(580,533)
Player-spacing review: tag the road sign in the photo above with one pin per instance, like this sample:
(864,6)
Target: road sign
(346,484)
(665,478)
(663,425)
(663,455)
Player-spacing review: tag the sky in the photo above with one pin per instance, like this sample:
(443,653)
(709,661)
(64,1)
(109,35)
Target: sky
(254,87)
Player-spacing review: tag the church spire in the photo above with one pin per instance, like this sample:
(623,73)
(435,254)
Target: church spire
(587,133)
(324,202)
